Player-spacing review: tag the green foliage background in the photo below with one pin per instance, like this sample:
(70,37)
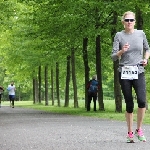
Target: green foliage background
(41,32)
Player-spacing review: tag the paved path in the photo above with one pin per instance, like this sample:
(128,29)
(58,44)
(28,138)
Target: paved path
(27,129)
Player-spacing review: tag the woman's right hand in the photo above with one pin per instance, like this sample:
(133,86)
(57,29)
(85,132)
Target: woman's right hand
(125,47)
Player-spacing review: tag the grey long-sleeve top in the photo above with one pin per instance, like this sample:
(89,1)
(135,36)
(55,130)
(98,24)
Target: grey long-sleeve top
(134,55)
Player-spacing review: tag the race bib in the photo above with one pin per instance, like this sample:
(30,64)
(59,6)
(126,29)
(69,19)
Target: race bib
(129,72)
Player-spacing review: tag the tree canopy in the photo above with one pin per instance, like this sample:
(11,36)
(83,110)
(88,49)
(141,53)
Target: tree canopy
(42,32)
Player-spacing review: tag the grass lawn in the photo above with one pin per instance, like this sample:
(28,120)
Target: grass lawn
(109,112)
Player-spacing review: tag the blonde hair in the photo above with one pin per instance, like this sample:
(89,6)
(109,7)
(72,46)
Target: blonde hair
(127,13)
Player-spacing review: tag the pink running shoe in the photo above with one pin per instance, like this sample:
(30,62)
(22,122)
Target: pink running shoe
(139,134)
(130,137)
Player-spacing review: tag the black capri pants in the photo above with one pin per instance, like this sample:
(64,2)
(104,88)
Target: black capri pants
(139,86)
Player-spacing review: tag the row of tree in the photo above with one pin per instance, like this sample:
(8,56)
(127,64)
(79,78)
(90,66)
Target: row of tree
(47,44)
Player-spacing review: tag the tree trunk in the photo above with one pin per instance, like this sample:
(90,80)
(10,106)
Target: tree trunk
(34,97)
(98,61)
(117,88)
(139,24)
(39,78)
(139,18)
(35,91)
(86,67)
(19,93)
(52,87)
(46,85)
(67,82)
(57,83)
(99,73)
(74,78)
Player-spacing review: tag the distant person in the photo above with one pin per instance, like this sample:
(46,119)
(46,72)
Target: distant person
(92,87)
(1,91)
(11,91)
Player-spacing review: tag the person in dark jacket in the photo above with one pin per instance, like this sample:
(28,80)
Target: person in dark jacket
(93,87)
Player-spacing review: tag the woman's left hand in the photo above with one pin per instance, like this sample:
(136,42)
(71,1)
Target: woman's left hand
(145,62)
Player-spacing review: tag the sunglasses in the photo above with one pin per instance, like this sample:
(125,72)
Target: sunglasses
(127,20)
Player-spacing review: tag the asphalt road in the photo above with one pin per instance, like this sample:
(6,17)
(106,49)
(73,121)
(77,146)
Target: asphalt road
(27,129)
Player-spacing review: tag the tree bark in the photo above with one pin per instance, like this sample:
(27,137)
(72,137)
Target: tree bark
(34,98)
(39,78)
(98,60)
(57,83)
(86,68)
(117,88)
(139,23)
(67,82)
(35,90)
(19,93)
(52,87)
(46,85)
(139,18)
(99,73)
(74,78)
